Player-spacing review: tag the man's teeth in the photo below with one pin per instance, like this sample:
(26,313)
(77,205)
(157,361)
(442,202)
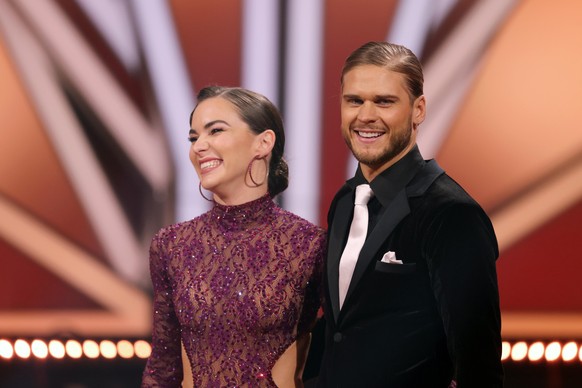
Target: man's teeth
(212,163)
(369,134)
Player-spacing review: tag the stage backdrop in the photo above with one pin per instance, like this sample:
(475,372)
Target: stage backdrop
(94,105)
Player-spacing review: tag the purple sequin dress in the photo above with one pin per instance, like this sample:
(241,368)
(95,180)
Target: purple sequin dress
(237,285)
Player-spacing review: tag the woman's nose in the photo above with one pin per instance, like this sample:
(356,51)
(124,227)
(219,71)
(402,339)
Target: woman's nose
(201,144)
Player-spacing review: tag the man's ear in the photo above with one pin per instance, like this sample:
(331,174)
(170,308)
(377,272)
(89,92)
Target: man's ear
(266,142)
(418,111)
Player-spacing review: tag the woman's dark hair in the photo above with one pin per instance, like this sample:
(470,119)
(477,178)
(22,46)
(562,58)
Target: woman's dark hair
(260,114)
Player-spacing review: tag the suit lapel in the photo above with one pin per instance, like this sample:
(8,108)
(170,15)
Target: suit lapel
(338,232)
(397,210)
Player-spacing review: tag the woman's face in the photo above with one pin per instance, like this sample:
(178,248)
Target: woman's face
(222,147)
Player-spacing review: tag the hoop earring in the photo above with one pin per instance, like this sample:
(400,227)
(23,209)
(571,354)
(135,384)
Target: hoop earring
(202,194)
(250,167)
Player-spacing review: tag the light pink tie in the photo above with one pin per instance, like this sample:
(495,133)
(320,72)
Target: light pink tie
(356,238)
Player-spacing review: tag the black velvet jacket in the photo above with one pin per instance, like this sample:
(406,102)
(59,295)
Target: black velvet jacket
(426,322)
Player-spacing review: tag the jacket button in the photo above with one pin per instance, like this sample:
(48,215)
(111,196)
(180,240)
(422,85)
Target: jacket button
(337,337)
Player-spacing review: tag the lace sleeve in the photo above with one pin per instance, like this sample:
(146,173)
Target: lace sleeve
(313,292)
(164,366)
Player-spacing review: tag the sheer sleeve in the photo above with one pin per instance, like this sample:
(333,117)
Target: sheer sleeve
(164,366)
(313,292)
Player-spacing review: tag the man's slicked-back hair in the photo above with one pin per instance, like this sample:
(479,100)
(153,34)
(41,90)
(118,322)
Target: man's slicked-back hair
(393,57)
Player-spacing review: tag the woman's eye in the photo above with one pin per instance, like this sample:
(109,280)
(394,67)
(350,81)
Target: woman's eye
(192,139)
(215,130)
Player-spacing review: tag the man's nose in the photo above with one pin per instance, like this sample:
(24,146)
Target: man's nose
(368,112)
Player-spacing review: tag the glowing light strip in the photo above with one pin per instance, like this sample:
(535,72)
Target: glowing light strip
(21,349)
(451,70)
(174,96)
(113,20)
(260,47)
(540,351)
(518,351)
(303,83)
(411,24)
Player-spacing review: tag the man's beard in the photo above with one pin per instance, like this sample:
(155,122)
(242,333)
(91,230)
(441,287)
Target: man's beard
(397,144)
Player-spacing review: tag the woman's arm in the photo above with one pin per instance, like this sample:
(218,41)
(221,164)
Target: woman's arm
(288,369)
(164,366)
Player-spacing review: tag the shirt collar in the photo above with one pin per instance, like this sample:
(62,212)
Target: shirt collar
(392,180)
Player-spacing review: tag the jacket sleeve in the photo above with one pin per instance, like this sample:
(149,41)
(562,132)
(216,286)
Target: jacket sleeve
(461,255)
(164,366)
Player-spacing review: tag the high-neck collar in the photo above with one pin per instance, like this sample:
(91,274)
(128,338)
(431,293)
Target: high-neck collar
(238,217)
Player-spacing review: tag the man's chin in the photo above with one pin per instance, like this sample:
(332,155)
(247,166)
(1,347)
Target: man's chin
(367,159)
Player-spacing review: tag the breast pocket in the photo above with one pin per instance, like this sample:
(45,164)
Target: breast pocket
(409,268)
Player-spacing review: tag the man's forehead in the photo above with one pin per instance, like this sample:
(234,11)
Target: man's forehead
(375,80)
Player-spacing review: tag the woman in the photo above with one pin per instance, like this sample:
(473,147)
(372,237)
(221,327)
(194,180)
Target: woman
(238,285)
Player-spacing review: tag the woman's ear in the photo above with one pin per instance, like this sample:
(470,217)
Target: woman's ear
(266,142)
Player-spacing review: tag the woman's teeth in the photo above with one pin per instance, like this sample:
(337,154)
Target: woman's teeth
(210,164)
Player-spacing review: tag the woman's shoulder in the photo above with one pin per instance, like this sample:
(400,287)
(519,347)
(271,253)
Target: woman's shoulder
(177,230)
(300,223)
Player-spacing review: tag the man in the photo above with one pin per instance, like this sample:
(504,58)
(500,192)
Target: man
(418,306)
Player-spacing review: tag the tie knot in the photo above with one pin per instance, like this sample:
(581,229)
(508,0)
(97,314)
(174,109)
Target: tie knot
(363,194)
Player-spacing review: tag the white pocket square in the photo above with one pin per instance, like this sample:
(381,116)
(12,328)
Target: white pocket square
(390,258)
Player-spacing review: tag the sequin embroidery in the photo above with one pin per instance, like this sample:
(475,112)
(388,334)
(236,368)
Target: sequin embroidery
(237,285)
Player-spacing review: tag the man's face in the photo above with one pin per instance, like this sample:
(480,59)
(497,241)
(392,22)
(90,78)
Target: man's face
(378,119)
